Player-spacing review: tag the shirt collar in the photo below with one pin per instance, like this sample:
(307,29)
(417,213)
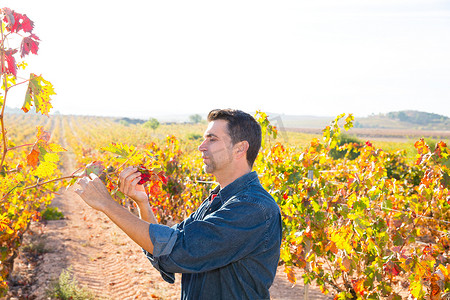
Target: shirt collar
(236,186)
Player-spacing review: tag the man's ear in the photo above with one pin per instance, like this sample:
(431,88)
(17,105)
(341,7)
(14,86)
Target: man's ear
(241,149)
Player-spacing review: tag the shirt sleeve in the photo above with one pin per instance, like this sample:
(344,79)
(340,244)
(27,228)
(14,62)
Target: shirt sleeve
(167,276)
(163,239)
(227,235)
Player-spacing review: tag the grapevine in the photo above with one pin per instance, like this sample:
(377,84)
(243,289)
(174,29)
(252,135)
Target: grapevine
(357,230)
(28,172)
(366,226)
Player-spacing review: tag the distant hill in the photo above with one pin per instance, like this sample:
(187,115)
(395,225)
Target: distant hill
(406,119)
(13,110)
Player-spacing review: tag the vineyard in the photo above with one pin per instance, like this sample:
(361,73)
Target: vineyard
(359,222)
(365,223)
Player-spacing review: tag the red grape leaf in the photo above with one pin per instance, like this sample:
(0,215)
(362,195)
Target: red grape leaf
(29,43)
(9,16)
(16,22)
(145,174)
(11,62)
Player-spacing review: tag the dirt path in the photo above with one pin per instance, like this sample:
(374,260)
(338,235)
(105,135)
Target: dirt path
(100,257)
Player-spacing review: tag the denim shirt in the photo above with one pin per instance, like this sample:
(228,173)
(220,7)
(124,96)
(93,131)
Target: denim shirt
(227,249)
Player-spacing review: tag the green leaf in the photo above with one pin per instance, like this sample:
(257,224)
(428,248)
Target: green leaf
(95,167)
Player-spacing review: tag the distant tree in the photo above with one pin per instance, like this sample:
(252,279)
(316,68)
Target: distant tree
(152,123)
(124,122)
(195,118)
(402,116)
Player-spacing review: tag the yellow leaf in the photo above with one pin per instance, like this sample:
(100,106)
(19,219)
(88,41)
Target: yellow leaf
(285,254)
(416,289)
(51,157)
(56,148)
(45,169)
(4,224)
(38,93)
(341,237)
(290,274)
(445,271)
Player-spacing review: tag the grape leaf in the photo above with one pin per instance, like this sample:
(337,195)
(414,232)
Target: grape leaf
(9,16)
(349,122)
(45,169)
(162,177)
(4,224)
(51,157)
(33,158)
(10,61)
(421,146)
(40,148)
(43,135)
(56,148)
(29,43)
(116,149)
(145,175)
(95,167)
(16,22)
(38,92)
(290,274)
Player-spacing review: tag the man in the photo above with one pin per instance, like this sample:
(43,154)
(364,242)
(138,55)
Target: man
(230,246)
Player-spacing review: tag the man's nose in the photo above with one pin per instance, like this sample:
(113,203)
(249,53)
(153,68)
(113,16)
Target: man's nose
(202,146)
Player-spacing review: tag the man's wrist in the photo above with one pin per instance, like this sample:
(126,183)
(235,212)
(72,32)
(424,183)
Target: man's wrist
(146,212)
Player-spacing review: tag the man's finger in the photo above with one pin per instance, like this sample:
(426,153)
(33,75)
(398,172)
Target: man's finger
(82,182)
(79,191)
(127,171)
(93,176)
(132,186)
(125,182)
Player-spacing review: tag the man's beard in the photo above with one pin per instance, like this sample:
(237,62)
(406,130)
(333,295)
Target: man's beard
(209,168)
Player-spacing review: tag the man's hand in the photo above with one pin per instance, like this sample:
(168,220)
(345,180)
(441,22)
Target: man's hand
(94,192)
(128,184)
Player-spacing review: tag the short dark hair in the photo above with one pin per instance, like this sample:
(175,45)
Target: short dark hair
(241,127)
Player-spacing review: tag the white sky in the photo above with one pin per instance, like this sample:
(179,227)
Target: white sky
(151,58)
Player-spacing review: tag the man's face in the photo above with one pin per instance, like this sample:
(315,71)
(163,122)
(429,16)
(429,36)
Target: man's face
(216,148)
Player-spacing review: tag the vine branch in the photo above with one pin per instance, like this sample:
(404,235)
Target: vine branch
(39,184)
(5,82)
